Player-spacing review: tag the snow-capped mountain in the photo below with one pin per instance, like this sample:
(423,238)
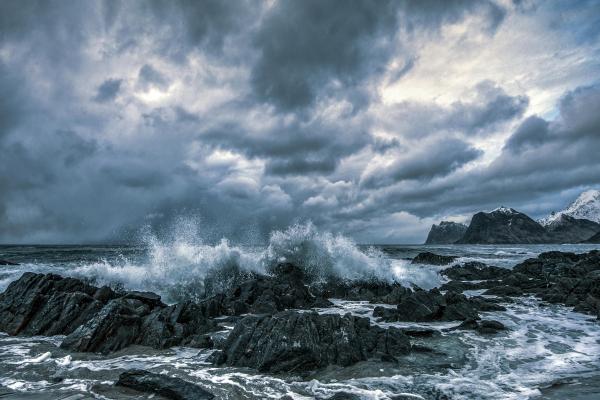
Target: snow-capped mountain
(586,206)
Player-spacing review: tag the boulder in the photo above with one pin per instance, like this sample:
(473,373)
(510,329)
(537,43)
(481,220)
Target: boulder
(474,271)
(162,385)
(422,306)
(6,262)
(483,326)
(293,341)
(432,259)
(48,304)
(265,295)
(127,321)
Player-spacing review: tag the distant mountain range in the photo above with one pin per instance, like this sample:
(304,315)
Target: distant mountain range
(578,223)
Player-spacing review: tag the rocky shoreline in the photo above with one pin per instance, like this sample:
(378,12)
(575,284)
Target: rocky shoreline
(275,328)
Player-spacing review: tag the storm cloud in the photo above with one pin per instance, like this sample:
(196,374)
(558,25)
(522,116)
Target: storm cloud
(373,119)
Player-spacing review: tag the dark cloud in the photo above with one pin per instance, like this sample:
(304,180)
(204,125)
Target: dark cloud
(434,160)
(532,133)
(265,114)
(310,47)
(108,90)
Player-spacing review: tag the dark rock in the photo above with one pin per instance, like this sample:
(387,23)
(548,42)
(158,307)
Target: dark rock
(504,290)
(432,259)
(126,321)
(6,262)
(265,295)
(292,341)
(373,291)
(162,385)
(446,233)
(474,271)
(344,396)
(504,226)
(48,304)
(421,306)
(483,326)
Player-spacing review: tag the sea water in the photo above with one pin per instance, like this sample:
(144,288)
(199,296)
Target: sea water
(547,352)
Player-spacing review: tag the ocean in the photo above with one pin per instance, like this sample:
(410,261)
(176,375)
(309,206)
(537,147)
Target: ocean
(548,348)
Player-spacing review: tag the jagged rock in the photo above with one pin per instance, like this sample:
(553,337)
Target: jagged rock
(558,277)
(373,291)
(162,385)
(433,259)
(98,319)
(421,305)
(266,295)
(504,290)
(504,226)
(343,396)
(474,271)
(292,341)
(446,233)
(6,262)
(48,304)
(127,321)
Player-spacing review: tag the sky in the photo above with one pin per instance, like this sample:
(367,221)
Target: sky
(373,119)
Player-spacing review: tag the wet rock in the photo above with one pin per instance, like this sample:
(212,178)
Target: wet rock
(292,341)
(483,326)
(6,262)
(421,306)
(474,271)
(373,291)
(265,295)
(127,321)
(504,290)
(48,304)
(432,259)
(162,385)
(344,396)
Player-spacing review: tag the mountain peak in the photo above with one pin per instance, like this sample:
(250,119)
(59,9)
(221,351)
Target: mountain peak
(504,210)
(586,206)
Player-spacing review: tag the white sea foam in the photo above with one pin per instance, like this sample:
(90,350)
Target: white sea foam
(184,267)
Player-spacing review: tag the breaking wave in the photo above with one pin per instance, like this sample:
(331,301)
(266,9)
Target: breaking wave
(184,268)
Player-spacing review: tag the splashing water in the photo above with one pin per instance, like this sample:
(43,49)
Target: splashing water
(185,268)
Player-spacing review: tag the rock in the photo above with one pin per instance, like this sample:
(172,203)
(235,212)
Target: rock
(265,295)
(126,321)
(446,233)
(432,259)
(292,341)
(474,271)
(48,304)
(344,396)
(504,226)
(373,291)
(504,290)
(6,262)
(483,326)
(422,306)
(162,385)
